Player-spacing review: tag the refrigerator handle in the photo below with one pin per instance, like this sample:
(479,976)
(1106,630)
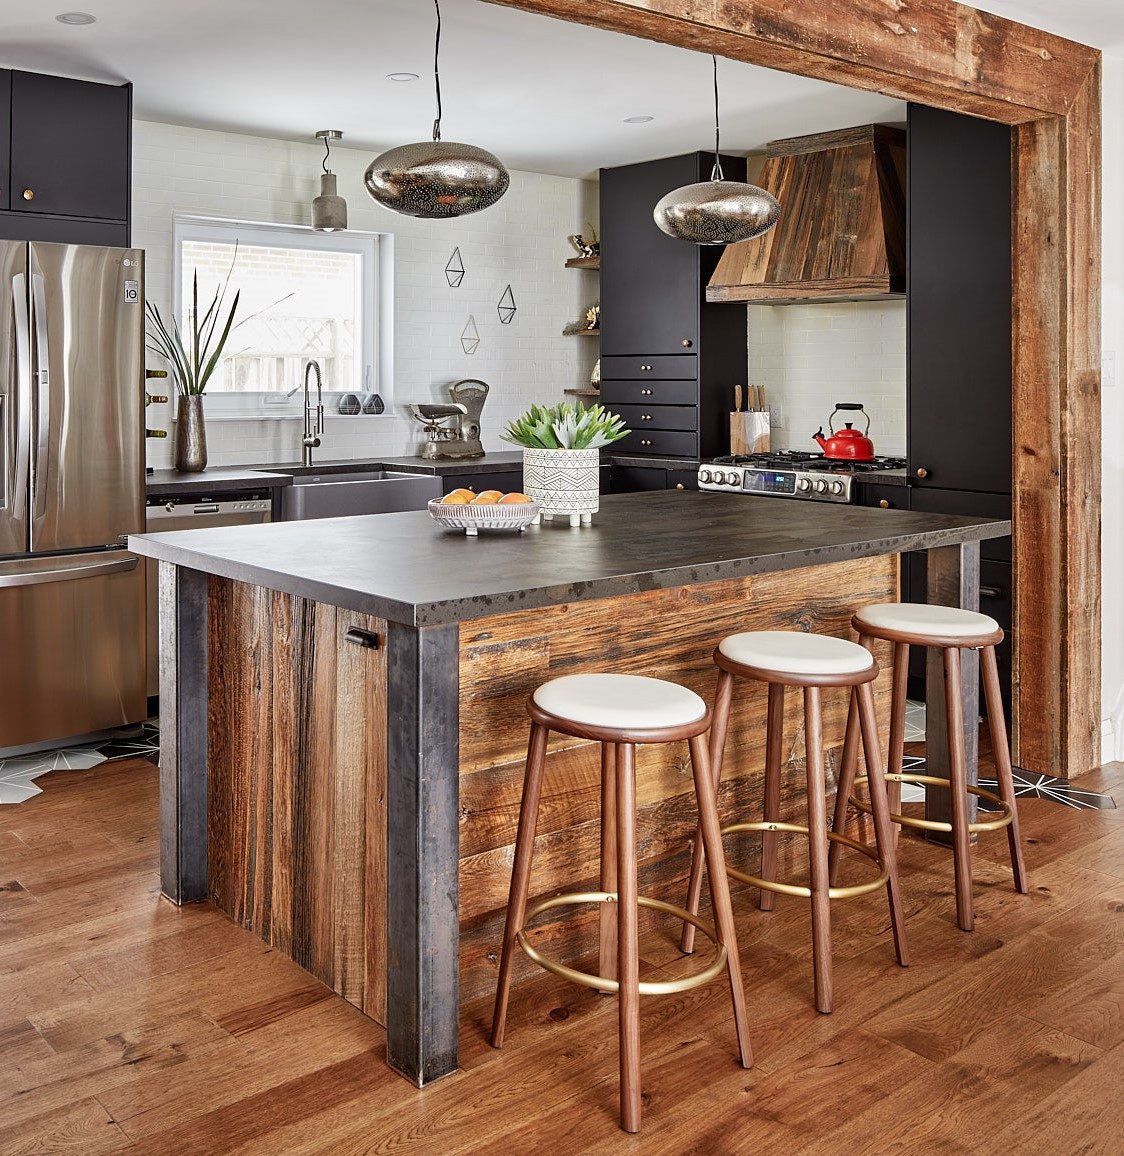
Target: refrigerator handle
(113,565)
(23,388)
(43,394)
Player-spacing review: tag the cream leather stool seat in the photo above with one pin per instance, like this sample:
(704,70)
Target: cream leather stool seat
(793,652)
(927,623)
(625,701)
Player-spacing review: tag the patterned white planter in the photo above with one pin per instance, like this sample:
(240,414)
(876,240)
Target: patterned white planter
(563,482)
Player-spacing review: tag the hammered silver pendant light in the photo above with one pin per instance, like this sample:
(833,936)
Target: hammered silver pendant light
(329,210)
(436,178)
(718,211)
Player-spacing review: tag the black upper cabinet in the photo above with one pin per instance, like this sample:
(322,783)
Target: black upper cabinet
(70,147)
(959,301)
(5,133)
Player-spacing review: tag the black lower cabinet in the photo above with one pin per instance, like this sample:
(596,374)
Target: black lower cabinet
(507,482)
(637,479)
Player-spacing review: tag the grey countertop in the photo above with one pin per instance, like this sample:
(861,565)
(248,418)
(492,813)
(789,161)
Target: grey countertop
(403,567)
(171,483)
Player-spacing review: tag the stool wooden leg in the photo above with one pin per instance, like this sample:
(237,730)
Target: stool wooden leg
(720,719)
(848,765)
(897,730)
(1002,753)
(817,850)
(880,812)
(520,873)
(608,950)
(720,890)
(958,788)
(628,948)
(774,739)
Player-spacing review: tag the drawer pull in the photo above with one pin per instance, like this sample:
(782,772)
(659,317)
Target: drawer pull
(646,368)
(884,504)
(29,194)
(645,417)
(990,592)
(680,486)
(921,472)
(365,638)
(686,343)
(645,393)
(645,442)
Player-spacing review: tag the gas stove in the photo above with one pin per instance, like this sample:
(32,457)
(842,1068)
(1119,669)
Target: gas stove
(790,474)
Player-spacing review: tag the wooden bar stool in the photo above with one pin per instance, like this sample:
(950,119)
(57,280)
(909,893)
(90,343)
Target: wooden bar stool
(950,629)
(811,661)
(619,711)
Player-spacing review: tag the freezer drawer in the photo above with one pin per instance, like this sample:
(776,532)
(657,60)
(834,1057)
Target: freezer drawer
(74,632)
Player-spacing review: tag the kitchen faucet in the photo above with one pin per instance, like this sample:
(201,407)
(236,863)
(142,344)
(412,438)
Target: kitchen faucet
(311,439)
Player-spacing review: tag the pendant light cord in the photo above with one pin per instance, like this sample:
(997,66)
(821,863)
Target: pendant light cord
(327,153)
(437,71)
(716,173)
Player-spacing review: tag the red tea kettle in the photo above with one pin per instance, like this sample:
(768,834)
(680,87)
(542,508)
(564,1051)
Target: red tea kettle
(847,444)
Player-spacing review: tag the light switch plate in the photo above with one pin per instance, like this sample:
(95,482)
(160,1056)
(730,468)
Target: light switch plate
(1108,369)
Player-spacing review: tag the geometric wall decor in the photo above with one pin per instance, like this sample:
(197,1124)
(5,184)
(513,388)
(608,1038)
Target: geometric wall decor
(470,336)
(506,307)
(454,270)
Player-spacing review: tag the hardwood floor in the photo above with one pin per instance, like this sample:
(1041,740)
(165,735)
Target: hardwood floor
(128,1023)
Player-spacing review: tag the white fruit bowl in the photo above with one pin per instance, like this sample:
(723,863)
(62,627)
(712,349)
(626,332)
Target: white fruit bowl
(471,519)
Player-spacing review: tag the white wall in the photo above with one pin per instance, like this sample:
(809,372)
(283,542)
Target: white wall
(521,240)
(811,356)
(1112,412)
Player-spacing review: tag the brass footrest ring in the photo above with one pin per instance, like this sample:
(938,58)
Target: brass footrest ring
(1004,819)
(601,983)
(806,892)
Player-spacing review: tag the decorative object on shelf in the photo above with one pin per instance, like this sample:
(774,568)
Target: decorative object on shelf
(329,210)
(470,336)
(586,250)
(437,179)
(350,405)
(454,269)
(595,375)
(718,211)
(507,307)
(373,403)
(561,456)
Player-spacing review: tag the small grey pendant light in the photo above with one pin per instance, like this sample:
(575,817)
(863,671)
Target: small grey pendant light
(718,211)
(437,178)
(329,210)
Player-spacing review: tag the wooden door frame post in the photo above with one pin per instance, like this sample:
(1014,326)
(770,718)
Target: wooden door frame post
(954,57)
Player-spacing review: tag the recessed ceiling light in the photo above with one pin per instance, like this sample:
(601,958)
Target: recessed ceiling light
(638,119)
(402,77)
(76,18)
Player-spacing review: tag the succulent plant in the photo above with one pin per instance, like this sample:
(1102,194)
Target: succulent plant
(565,427)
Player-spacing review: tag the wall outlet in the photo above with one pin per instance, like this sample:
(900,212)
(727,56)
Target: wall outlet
(776,417)
(1108,368)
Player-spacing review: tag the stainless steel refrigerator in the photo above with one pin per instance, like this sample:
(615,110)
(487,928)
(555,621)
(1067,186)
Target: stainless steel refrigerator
(72,613)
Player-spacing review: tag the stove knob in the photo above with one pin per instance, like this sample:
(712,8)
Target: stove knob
(803,485)
(837,487)
(821,487)
(704,475)
(733,478)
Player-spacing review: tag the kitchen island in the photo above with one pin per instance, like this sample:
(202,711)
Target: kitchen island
(343,722)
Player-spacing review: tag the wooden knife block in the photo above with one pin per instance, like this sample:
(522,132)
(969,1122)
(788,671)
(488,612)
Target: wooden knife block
(749,432)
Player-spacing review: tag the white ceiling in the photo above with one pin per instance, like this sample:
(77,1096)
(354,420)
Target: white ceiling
(543,94)
(1096,22)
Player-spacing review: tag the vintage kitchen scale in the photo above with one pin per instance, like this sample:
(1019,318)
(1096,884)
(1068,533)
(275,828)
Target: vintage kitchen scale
(453,430)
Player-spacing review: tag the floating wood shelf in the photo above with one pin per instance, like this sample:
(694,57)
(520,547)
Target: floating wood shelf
(584,263)
(582,333)
(583,392)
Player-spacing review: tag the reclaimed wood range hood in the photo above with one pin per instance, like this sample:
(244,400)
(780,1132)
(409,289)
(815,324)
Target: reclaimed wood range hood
(841,234)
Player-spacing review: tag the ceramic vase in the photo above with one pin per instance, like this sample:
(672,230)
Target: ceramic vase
(191,435)
(563,482)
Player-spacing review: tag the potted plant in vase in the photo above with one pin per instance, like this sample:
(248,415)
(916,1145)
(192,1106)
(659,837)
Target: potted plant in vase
(192,363)
(561,456)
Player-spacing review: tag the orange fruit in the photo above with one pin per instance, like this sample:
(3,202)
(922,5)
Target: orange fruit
(515,498)
(487,498)
(457,498)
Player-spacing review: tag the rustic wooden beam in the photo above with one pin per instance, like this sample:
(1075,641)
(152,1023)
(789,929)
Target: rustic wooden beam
(933,51)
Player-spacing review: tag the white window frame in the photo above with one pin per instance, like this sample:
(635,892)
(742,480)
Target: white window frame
(377,306)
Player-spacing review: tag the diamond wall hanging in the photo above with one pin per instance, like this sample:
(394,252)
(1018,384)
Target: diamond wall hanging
(506,308)
(470,336)
(454,270)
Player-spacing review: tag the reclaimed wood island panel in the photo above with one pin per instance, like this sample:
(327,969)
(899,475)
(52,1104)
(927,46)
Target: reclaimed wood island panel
(343,722)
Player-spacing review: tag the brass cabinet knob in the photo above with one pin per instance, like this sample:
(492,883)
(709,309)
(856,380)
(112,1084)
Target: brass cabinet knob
(29,194)
(687,343)
(646,368)
(645,442)
(645,417)
(884,505)
(680,486)
(646,393)
(922,473)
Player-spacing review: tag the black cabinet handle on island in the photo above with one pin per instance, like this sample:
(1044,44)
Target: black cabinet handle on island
(365,638)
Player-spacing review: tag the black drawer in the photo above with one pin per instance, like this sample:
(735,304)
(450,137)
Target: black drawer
(938,501)
(671,367)
(505,481)
(672,443)
(642,417)
(682,479)
(884,497)
(656,392)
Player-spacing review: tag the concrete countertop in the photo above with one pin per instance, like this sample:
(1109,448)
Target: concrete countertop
(173,484)
(403,567)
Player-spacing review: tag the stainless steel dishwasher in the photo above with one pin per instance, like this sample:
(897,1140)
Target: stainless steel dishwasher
(247,508)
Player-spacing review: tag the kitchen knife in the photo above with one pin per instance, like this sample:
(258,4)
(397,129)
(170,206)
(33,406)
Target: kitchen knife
(737,398)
